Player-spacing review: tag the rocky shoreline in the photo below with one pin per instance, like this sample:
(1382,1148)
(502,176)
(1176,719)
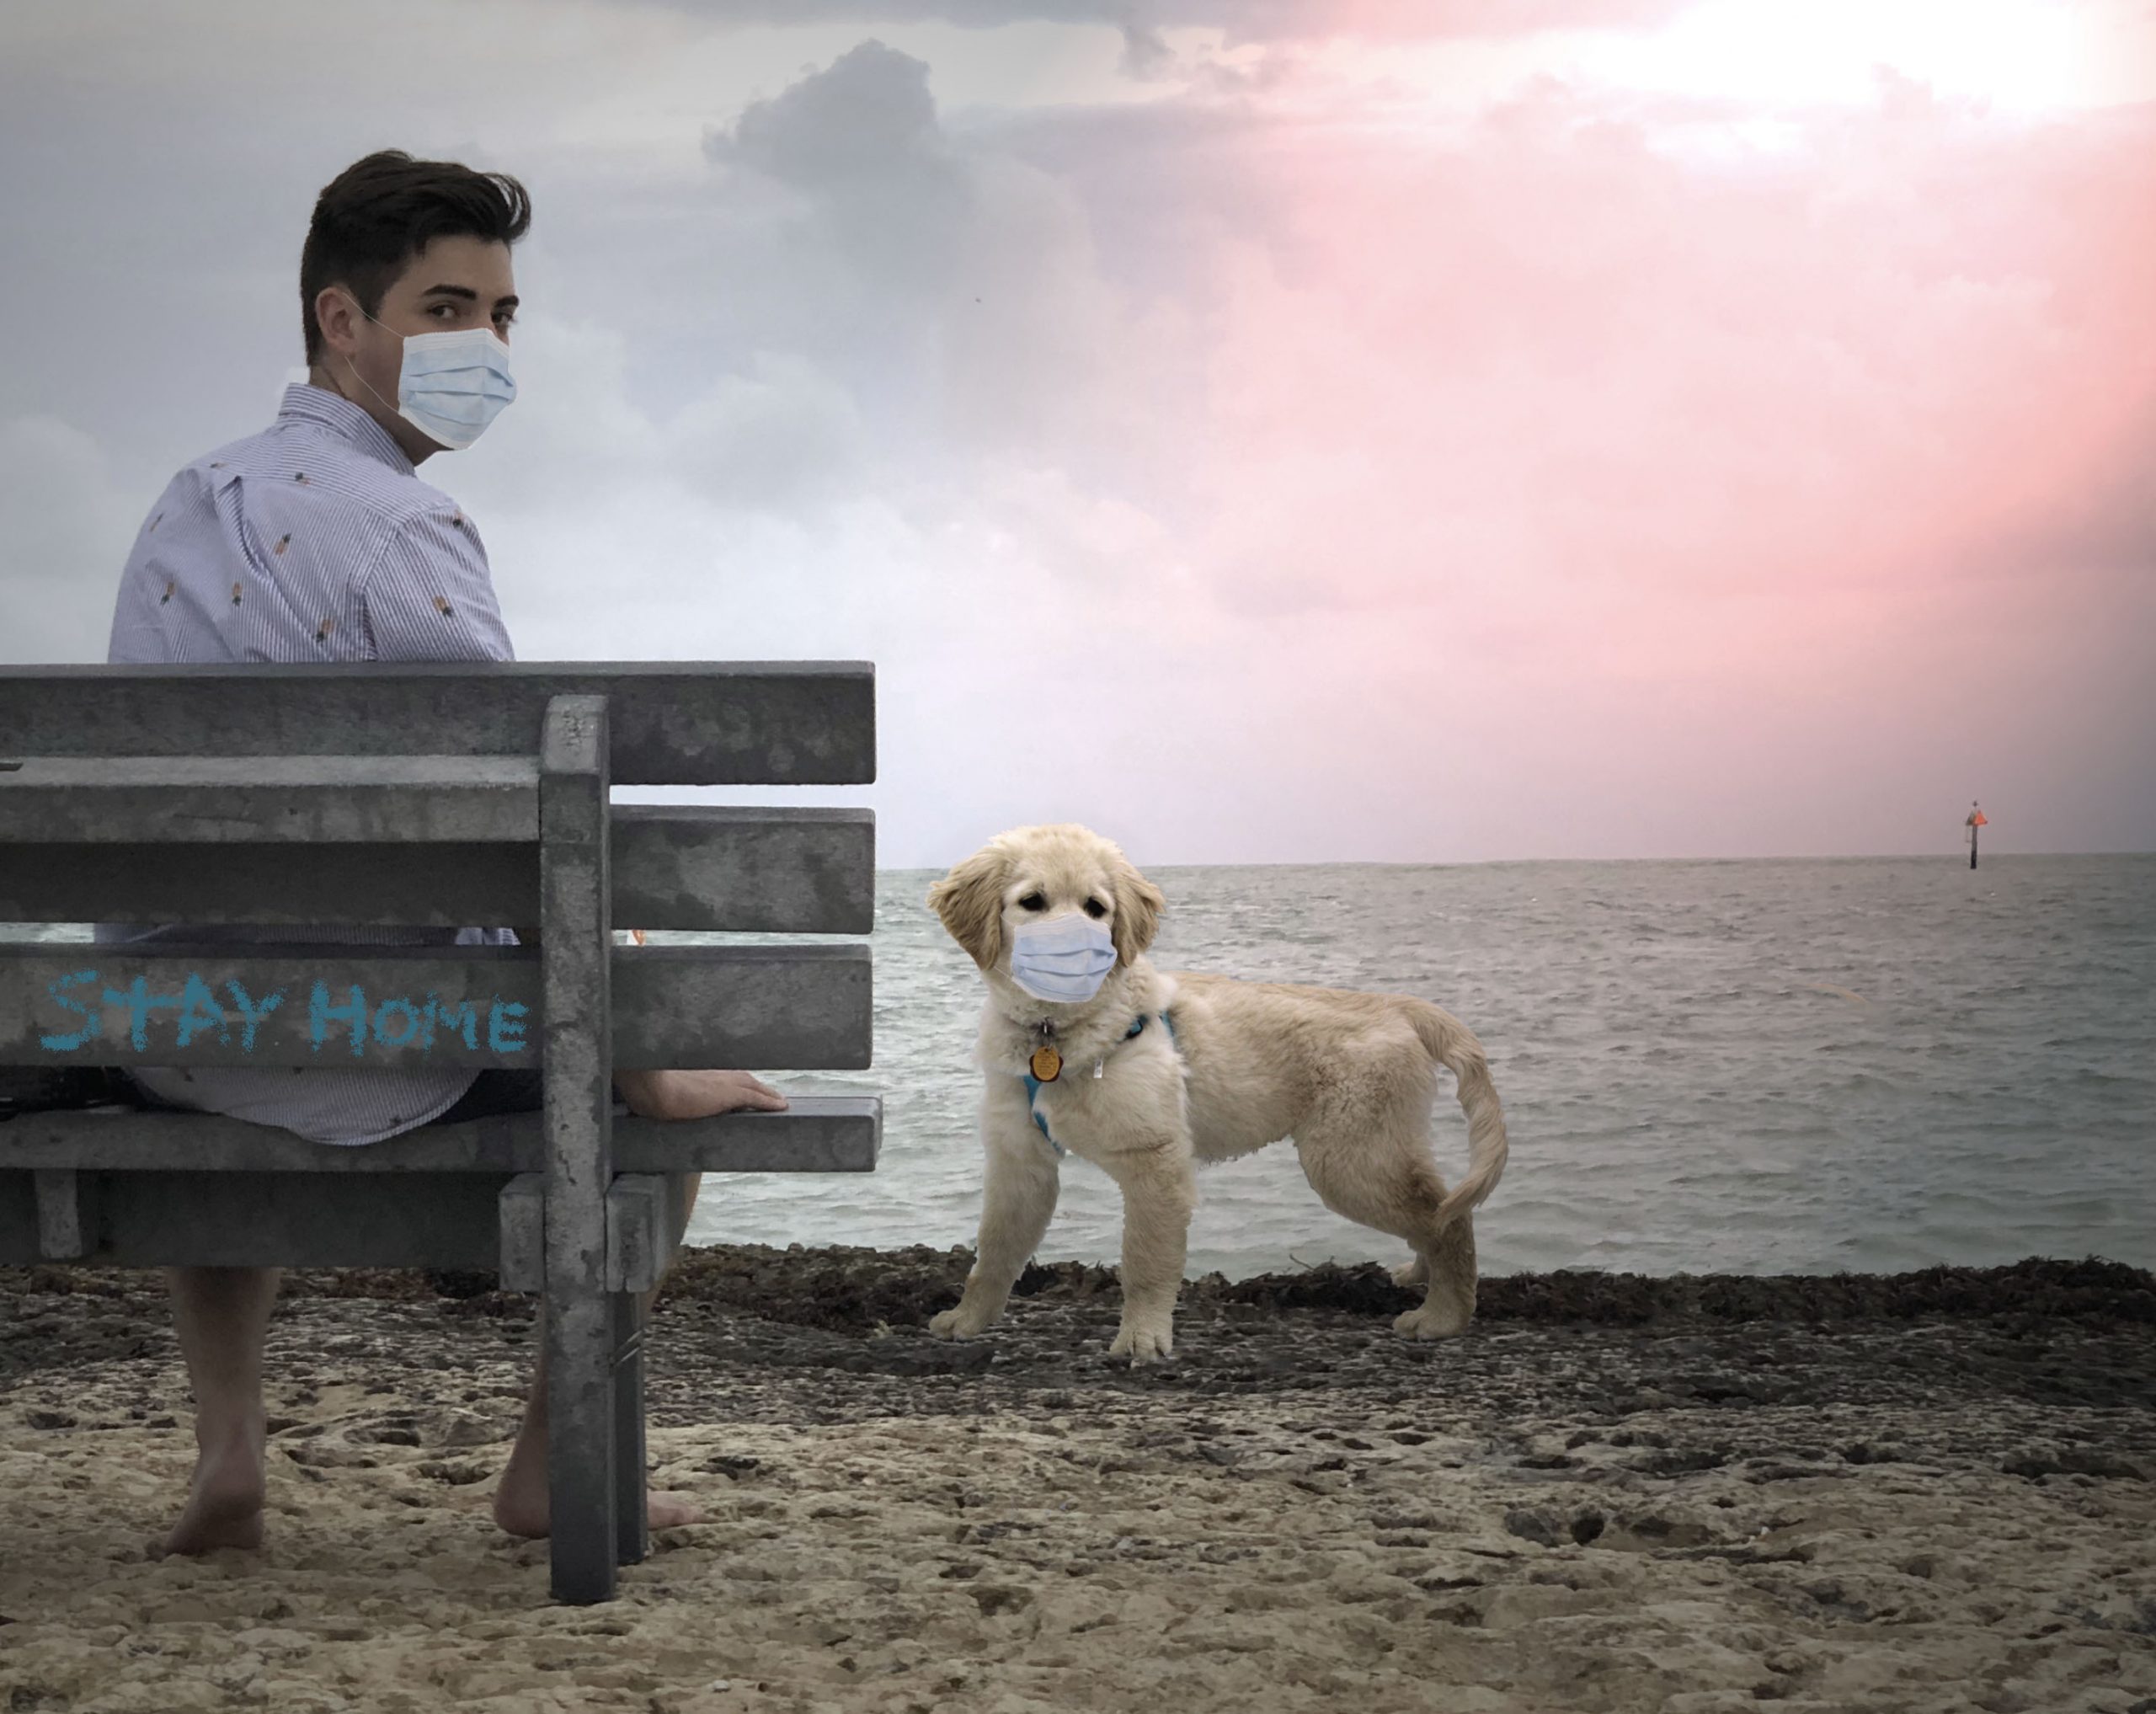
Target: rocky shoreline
(1922,1492)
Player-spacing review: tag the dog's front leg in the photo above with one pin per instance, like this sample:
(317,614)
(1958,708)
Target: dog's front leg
(1017,1200)
(1159,1193)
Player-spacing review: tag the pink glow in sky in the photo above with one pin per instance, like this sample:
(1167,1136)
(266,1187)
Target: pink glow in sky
(1614,462)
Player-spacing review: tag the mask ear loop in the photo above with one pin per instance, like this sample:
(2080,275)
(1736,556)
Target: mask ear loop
(392,409)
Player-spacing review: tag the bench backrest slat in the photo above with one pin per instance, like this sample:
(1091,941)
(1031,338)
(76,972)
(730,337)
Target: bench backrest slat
(714,868)
(61,1004)
(790,722)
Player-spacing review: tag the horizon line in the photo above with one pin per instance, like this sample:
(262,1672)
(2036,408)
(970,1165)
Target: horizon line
(1954,852)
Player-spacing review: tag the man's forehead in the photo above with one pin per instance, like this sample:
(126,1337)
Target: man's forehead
(459,266)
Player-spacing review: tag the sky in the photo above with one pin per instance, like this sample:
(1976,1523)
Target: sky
(1265,430)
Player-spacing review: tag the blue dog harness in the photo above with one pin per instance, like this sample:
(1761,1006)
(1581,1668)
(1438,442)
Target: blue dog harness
(1033,1083)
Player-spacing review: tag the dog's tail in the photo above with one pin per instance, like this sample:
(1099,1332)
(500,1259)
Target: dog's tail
(1453,1044)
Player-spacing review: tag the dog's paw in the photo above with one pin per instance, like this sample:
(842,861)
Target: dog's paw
(959,1323)
(1432,1322)
(1144,1343)
(1414,1275)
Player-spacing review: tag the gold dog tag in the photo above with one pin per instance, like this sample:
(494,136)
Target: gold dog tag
(1048,1064)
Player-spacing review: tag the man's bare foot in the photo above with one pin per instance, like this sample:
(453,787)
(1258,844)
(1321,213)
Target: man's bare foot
(520,1506)
(224,1504)
(678,1095)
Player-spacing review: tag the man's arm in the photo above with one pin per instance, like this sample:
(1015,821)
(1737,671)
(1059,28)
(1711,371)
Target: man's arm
(429,596)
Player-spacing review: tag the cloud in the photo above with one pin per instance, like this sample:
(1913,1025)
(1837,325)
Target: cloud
(868,115)
(954,284)
(1146,54)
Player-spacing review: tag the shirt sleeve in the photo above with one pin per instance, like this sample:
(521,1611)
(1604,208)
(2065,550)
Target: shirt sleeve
(429,596)
(138,633)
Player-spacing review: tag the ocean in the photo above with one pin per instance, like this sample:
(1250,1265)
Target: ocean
(1749,1067)
(1795,1066)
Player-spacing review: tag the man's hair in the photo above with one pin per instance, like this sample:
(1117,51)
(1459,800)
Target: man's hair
(379,213)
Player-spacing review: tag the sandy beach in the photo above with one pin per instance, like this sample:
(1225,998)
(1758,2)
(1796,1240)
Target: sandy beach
(1923,1491)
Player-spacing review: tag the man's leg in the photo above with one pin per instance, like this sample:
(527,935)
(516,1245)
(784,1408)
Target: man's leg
(223,1316)
(520,1502)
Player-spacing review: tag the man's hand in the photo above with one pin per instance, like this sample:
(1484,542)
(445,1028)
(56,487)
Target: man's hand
(696,1094)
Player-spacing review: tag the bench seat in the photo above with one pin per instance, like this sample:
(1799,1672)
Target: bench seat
(117,1188)
(816,1133)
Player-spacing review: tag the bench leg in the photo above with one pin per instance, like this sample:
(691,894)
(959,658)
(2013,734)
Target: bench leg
(66,1217)
(576,1031)
(580,1449)
(631,1513)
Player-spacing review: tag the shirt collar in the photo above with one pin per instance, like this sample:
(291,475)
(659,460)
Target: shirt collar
(306,403)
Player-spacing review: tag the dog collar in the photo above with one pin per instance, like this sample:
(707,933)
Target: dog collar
(1033,1083)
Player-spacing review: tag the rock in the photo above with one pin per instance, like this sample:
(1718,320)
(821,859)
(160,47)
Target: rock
(2072,1461)
(1531,1526)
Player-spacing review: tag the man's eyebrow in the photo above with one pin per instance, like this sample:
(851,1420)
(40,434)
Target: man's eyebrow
(468,295)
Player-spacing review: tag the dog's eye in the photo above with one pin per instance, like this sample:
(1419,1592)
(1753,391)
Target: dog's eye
(1032,901)
(1096,910)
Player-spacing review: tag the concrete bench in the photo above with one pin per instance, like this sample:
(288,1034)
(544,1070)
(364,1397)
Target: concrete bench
(441,796)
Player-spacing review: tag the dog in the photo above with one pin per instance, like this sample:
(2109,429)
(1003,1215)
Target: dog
(1151,1072)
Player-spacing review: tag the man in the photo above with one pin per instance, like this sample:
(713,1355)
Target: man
(316,540)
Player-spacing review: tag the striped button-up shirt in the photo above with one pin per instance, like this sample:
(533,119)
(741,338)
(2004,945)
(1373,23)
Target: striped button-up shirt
(314,539)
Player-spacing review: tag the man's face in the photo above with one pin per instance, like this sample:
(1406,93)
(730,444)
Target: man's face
(453,284)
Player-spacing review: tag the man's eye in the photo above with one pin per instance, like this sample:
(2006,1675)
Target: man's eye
(1095,909)
(1032,901)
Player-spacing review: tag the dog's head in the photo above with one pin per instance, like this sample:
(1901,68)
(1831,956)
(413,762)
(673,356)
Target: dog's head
(1033,873)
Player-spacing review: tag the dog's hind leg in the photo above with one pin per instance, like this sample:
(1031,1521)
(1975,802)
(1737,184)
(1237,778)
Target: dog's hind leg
(1378,1173)
(1017,1200)
(1449,1305)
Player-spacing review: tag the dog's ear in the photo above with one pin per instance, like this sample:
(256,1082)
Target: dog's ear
(1137,906)
(970,901)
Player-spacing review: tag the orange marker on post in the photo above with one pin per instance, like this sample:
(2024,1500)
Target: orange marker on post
(1977,818)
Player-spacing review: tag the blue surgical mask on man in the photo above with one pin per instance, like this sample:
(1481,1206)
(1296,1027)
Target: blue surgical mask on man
(1066,959)
(451,384)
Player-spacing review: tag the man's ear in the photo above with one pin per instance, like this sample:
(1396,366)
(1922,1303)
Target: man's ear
(337,318)
(1137,906)
(970,901)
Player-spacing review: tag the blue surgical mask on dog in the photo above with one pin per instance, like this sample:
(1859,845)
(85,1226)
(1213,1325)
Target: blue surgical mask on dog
(451,384)
(1066,958)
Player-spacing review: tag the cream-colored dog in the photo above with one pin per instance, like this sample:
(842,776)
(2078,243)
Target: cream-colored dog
(1162,1070)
